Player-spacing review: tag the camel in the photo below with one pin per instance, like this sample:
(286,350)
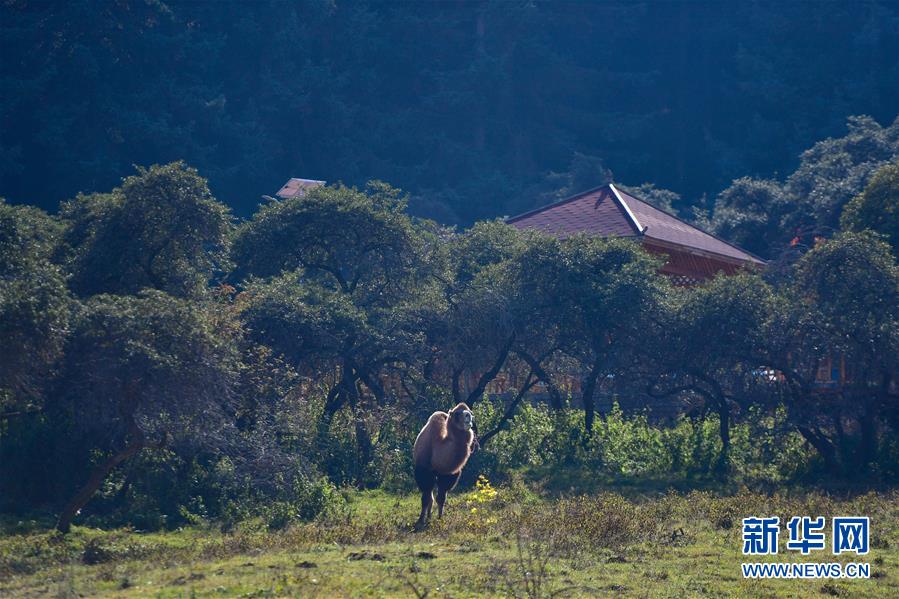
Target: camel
(440,452)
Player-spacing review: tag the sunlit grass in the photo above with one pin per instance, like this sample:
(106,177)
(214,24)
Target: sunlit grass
(513,543)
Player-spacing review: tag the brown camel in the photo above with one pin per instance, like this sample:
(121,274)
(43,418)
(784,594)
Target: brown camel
(440,452)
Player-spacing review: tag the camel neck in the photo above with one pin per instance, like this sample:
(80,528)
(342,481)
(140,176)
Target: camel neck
(456,434)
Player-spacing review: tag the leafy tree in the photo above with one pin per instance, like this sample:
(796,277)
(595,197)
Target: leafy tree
(485,243)
(346,347)
(853,284)
(521,302)
(34,305)
(475,330)
(349,277)
(844,306)
(478,331)
(360,243)
(161,229)
(143,372)
(877,207)
(749,213)
(710,343)
(772,218)
(606,292)
(835,170)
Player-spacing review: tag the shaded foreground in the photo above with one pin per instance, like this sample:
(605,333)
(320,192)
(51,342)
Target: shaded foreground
(492,542)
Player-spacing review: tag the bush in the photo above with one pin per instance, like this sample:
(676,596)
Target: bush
(629,446)
(318,499)
(312,499)
(763,446)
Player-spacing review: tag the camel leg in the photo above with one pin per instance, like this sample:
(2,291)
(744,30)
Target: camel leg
(425,479)
(445,482)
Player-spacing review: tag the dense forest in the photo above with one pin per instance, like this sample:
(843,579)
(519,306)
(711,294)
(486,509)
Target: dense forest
(180,366)
(178,350)
(477,109)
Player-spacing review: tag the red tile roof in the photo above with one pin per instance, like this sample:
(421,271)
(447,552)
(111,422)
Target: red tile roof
(295,188)
(608,211)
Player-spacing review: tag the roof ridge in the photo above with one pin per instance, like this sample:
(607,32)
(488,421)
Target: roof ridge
(679,219)
(630,214)
(307,180)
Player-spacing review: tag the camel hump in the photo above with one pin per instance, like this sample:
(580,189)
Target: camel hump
(433,429)
(438,417)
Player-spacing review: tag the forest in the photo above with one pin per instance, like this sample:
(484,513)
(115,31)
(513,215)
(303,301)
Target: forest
(166,365)
(147,325)
(208,390)
(476,109)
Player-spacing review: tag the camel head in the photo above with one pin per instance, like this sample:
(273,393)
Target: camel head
(461,417)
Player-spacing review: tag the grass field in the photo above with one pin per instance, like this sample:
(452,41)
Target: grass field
(503,542)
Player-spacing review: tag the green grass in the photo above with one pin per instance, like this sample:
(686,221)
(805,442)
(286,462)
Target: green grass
(514,544)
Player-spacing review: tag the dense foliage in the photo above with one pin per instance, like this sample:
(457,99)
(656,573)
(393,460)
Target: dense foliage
(776,219)
(877,207)
(166,364)
(478,108)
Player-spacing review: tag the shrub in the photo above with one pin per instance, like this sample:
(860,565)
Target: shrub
(629,446)
(763,446)
(318,499)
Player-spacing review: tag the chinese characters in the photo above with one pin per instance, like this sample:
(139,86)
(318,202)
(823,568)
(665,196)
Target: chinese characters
(806,534)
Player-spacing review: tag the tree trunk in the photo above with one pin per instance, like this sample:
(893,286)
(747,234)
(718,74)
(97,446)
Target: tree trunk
(457,393)
(332,404)
(723,466)
(510,411)
(555,398)
(800,395)
(491,374)
(350,384)
(868,441)
(589,407)
(364,444)
(823,446)
(98,475)
(842,442)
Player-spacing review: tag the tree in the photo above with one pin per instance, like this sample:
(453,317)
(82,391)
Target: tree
(710,343)
(749,213)
(835,170)
(34,306)
(143,372)
(877,207)
(347,348)
(782,220)
(475,329)
(844,305)
(348,277)
(161,229)
(497,323)
(606,291)
(360,243)
(852,284)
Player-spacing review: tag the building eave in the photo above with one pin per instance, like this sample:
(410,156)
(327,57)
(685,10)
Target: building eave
(667,245)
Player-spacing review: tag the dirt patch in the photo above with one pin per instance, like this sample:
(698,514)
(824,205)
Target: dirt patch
(360,555)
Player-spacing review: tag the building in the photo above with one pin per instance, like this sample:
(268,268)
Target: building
(693,255)
(297,188)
